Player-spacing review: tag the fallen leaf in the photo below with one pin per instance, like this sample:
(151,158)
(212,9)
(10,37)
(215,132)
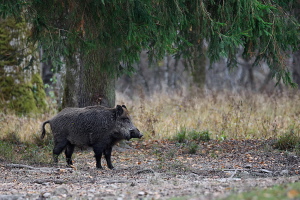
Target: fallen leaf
(293,193)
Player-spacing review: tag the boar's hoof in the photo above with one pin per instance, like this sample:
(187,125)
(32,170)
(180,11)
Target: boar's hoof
(71,166)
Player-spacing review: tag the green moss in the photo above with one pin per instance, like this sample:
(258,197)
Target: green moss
(5,87)
(21,90)
(8,52)
(17,95)
(22,97)
(23,101)
(38,91)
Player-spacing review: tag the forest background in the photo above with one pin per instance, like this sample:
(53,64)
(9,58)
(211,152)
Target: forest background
(233,79)
(231,69)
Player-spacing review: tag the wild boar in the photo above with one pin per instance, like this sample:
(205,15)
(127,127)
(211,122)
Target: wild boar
(95,126)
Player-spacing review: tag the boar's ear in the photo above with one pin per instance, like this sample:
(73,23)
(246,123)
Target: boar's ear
(124,106)
(119,110)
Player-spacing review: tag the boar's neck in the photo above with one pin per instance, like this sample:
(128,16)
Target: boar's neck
(117,136)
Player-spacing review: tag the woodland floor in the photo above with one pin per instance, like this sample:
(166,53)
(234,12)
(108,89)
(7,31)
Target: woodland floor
(156,170)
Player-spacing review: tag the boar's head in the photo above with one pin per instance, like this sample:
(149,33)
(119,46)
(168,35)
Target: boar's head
(124,124)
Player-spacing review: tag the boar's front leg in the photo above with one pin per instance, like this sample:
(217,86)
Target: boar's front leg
(107,154)
(98,149)
(68,152)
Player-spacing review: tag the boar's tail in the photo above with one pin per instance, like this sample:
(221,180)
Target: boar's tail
(43,129)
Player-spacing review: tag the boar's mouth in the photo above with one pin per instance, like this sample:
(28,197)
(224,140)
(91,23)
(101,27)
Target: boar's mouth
(135,134)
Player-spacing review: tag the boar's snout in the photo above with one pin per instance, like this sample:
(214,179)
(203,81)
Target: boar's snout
(135,133)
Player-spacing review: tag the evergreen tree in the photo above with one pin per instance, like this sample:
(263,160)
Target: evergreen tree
(94,36)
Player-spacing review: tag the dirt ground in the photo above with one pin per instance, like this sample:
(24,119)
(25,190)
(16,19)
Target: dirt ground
(155,170)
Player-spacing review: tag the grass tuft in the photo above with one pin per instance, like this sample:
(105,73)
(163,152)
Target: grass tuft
(199,136)
(181,136)
(288,141)
(185,135)
(192,147)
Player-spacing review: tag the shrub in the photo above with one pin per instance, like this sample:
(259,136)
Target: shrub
(192,147)
(181,136)
(185,135)
(288,141)
(199,136)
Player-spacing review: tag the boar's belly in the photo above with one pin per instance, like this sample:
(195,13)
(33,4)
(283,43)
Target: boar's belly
(84,139)
(79,140)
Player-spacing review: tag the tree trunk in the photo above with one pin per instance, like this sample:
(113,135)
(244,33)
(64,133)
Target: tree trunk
(97,87)
(88,84)
(199,71)
(197,64)
(296,68)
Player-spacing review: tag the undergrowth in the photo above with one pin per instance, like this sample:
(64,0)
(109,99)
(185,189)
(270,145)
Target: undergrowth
(224,115)
(26,153)
(185,134)
(289,141)
(187,121)
(20,138)
(191,139)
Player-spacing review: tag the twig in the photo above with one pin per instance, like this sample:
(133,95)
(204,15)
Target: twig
(47,171)
(233,174)
(36,169)
(20,166)
(115,181)
(145,171)
(41,181)
(235,169)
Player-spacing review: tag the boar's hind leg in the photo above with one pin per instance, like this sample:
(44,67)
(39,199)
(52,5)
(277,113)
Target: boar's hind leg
(107,153)
(58,148)
(98,149)
(68,152)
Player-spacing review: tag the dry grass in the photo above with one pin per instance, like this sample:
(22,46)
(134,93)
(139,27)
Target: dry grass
(224,115)
(22,129)
(162,116)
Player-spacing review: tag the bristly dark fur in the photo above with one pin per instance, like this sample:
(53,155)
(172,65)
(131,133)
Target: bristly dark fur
(95,126)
